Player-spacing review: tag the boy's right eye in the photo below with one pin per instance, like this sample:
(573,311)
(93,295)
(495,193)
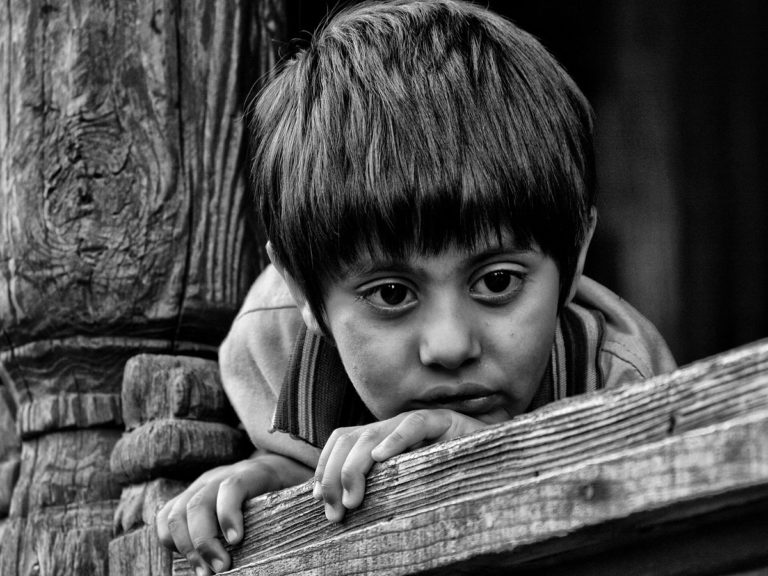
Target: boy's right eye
(389,295)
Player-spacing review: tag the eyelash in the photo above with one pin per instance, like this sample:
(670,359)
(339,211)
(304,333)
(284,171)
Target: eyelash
(516,278)
(387,309)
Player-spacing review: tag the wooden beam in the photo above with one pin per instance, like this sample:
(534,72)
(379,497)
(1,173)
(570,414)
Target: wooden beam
(601,472)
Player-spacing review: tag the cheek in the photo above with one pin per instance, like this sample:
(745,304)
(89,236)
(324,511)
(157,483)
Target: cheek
(527,349)
(374,363)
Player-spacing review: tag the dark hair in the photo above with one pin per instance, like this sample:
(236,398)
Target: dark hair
(414,125)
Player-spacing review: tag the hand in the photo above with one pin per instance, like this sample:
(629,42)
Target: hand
(190,522)
(350,453)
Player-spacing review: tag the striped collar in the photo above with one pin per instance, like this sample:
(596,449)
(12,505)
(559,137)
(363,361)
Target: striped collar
(317,396)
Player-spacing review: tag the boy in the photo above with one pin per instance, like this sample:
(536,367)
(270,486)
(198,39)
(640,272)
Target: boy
(425,177)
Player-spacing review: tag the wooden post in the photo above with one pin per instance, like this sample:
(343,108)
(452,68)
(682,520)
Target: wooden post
(125,227)
(9,451)
(178,423)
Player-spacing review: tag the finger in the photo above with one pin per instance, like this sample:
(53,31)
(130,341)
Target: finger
(233,491)
(317,490)
(178,532)
(161,522)
(357,465)
(331,477)
(203,527)
(177,508)
(415,428)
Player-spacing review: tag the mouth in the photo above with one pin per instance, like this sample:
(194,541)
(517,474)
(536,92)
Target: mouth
(469,400)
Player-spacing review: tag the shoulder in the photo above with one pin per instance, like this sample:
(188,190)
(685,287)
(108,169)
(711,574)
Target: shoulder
(254,359)
(631,347)
(264,329)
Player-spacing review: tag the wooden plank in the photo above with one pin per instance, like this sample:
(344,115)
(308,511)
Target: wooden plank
(530,447)
(687,480)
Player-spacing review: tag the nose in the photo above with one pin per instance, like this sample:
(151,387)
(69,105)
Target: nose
(448,338)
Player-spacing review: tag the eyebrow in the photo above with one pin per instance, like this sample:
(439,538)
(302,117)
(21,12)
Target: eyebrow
(366,265)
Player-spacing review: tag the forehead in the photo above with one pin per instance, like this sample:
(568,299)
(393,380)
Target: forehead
(374,256)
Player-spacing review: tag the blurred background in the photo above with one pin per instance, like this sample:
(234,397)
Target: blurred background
(680,90)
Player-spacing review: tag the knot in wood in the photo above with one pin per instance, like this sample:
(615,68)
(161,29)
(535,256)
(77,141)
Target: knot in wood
(593,491)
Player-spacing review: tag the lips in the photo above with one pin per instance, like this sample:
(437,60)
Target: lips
(470,399)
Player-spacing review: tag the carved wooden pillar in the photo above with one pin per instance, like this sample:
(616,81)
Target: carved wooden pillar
(9,451)
(178,423)
(125,227)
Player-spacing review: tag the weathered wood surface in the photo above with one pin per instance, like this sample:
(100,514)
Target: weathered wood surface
(10,445)
(164,448)
(122,178)
(125,227)
(159,387)
(139,553)
(541,484)
(63,539)
(176,448)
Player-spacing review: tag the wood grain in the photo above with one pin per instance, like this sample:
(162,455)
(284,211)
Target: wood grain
(66,539)
(162,386)
(74,382)
(64,468)
(534,446)
(123,180)
(176,449)
(139,553)
(10,446)
(608,500)
(126,226)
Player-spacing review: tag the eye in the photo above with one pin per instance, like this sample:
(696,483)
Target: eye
(497,286)
(389,296)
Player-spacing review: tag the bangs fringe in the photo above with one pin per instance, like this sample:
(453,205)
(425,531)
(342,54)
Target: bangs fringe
(414,128)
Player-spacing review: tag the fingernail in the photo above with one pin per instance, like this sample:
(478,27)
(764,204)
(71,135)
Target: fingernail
(331,513)
(218,565)
(231,535)
(317,491)
(345,498)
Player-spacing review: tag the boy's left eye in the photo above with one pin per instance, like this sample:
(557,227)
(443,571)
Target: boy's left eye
(389,295)
(497,285)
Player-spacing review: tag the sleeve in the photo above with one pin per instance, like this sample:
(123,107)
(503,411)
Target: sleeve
(254,359)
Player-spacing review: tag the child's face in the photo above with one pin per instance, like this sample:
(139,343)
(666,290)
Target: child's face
(470,331)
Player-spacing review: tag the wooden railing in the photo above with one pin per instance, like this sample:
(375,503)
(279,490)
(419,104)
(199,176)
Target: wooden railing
(668,476)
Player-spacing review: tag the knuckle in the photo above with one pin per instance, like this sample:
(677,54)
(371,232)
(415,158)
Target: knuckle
(417,419)
(196,503)
(232,482)
(329,491)
(348,475)
(397,436)
(204,545)
(177,516)
(369,434)
(347,437)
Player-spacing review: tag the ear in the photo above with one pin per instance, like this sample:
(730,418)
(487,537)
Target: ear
(583,255)
(296,292)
